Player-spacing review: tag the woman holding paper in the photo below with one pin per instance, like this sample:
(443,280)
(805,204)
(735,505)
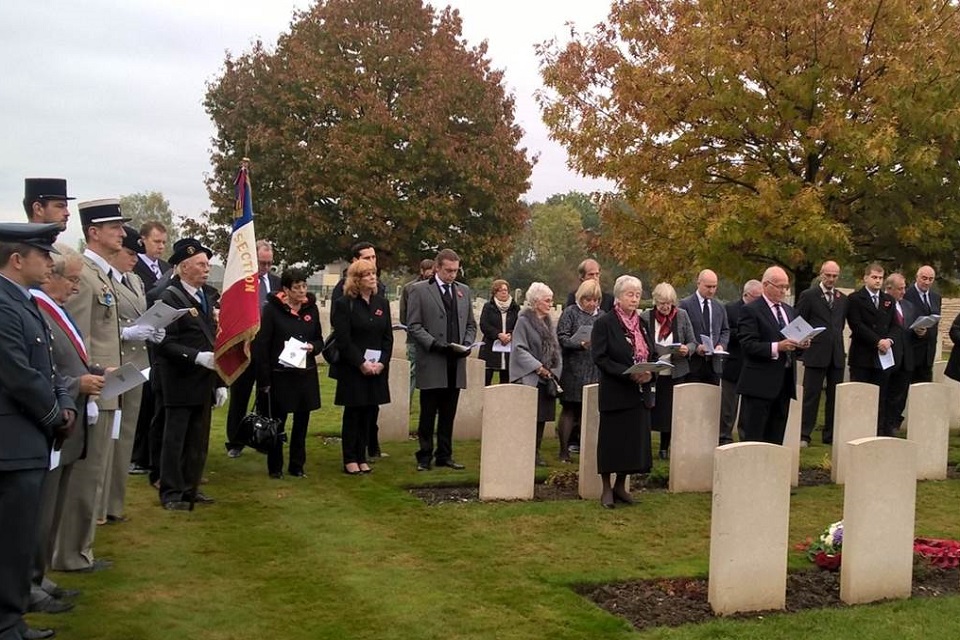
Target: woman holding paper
(619,341)
(497,320)
(674,341)
(361,323)
(285,357)
(536,355)
(573,332)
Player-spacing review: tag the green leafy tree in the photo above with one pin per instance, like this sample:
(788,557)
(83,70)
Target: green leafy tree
(757,132)
(548,250)
(372,120)
(150,205)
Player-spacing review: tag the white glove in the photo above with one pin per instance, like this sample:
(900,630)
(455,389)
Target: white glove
(136,333)
(93,412)
(158,336)
(220,397)
(205,359)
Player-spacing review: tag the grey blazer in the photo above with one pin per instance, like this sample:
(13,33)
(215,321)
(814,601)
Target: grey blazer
(427,324)
(682,332)
(527,352)
(718,319)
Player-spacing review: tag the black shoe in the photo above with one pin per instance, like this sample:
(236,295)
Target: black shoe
(50,605)
(664,454)
(351,473)
(98,565)
(277,476)
(574,448)
(423,466)
(453,464)
(202,498)
(234,453)
(297,474)
(64,594)
(115,519)
(622,496)
(367,470)
(177,505)
(34,633)
(137,470)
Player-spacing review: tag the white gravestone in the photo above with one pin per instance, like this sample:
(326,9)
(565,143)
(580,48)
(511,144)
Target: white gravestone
(468,423)
(928,425)
(696,430)
(855,417)
(394,420)
(879,506)
(589,486)
(749,528)
(508,447)
(791,437)
(954,402)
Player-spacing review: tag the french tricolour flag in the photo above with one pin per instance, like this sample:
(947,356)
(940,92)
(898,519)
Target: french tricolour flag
(239,303)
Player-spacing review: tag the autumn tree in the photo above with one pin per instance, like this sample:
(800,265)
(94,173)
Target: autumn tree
(747,133)
(373,120)
(150,205)
(548,249)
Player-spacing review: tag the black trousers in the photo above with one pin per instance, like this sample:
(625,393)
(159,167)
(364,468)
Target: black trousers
(19,524)
(438,407)
(157,424)
(240,392)
(373,434)
(765,420)
(298,444)
(921,373)
(894,400)
(355,432)
(701,370)
(813,379)
(503,375)
(141,439)
(186,437)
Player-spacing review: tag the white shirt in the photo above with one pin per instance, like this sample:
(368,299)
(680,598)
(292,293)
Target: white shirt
(101,262)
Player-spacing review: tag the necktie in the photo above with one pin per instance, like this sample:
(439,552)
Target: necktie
(780,319)
(876,301)
(899,316)
(203,300)
(447,294)
(926,304)
(707,325)
(828,295)
(266,283)
(125,280)
(155,267)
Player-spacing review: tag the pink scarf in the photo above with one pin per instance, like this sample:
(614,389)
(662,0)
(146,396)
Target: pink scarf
(632,326)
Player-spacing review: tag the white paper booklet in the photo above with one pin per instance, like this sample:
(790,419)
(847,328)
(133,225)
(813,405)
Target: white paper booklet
(293,354)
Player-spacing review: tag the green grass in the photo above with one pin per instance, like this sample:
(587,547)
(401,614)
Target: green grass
(334,556)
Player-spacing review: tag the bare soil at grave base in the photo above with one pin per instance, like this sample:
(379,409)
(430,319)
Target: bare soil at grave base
(672,602)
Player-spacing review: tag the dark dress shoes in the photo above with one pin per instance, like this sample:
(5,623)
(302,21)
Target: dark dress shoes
(423,466)
(622,496)
(177,505)
(202,498)
(50,605)
(64,594)
(38,634)
(98,565)
(451,463)
(115,519)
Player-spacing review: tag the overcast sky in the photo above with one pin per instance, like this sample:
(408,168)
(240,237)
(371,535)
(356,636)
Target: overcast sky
(108,93)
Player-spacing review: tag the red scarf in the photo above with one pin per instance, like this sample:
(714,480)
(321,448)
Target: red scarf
(634,329)
(665,321)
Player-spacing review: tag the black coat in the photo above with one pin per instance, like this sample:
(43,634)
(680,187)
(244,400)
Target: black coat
(490,326)
(613,355)
(359,326)
(184,382)
(952,369)
(826,349)
(734,362)
(291,389)
(925,348)
(762,376)
(868,325)
(146,273)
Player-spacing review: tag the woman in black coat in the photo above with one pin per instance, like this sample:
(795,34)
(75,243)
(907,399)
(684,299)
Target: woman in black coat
(618,341)
(361,323)
(289,313)
(497,320)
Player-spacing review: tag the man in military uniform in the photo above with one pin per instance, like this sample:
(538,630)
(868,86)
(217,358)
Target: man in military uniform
(94,310)
(45,201)
(38,414)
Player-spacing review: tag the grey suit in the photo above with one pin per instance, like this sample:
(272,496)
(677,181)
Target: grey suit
(131,303)
(682,333)
(701,367)
(31,403)
(94,310)
(441,373)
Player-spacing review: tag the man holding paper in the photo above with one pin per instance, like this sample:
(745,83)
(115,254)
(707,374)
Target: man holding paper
(709,319)
(822,305)
(924,342)
(897,378)
(870,314)
(768,379)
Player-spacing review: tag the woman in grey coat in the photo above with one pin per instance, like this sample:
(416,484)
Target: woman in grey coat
(672,332)
(573,332)
(536,354)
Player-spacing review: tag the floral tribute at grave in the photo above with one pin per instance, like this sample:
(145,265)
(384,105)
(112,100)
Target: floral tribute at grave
(826,550)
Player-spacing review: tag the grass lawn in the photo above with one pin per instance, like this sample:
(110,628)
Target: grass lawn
(334,556)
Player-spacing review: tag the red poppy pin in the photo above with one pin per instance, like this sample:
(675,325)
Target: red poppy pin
(886,304)
(459,293)
(378,312)
(836,294)
(307,318)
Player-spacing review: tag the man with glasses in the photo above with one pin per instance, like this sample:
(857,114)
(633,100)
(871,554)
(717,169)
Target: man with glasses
(729,399)
(822,305)
(769,377)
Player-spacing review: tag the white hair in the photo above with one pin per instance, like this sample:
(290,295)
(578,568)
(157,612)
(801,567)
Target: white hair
(625,282)
(536,292)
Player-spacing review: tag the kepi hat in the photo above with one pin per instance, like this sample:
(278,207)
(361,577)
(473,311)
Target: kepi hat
(100,211)
(44,189)
(187,248)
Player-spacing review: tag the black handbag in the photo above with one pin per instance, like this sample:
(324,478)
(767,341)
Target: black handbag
(260,432)
(330,351)
(551,387)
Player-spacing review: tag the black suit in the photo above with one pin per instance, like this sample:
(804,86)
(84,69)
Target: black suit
(897,379)
(925,348)
(702,367)
(146,273)
(31,402)
(824,359)
(731,375)
(188,390)
(766,383)
(868,325)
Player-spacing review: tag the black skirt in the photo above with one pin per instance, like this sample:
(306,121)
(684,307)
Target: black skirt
(623,441)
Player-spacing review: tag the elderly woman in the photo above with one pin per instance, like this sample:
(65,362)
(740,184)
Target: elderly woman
(291,312)
(536,354)
(674,341)
(573,332)
(497,320)
(361,322)
(618,341)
